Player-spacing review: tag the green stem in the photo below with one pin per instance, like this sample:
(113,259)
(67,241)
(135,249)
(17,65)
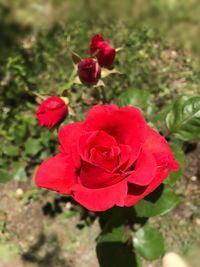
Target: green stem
(28,91)
(67,86)
(104,98)
(71,78)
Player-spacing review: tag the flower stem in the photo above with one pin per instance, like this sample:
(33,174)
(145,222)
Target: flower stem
(28,91)
(71,78)
(103,93)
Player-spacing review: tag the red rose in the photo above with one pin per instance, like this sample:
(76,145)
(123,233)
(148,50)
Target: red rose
(102,50)
(51,111)
(112,158)
(89,71)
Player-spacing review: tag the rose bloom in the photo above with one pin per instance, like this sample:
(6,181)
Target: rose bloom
(112,158)
(51,112)
(104,53)
(89,71)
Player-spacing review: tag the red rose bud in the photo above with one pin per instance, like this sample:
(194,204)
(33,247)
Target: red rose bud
(89,71)
(104,53)
(51,112)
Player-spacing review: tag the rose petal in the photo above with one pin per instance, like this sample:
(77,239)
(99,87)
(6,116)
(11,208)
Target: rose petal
(94,43)
(136,192)
(92,139)
(55,103)
(106,55)
(126,158)
(92,176)
(158,146)
(51,117)
(145,169)
(69,134)
(57,174)
(126,125)
(100,199)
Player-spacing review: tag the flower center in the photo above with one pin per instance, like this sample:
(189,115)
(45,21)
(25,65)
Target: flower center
(106,157)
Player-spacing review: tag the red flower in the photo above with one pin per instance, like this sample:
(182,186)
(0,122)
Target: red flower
(102,50)
(89,71)
(51,111)
(112,158)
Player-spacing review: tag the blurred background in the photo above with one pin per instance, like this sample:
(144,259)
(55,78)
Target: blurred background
(177,20)
(161,54)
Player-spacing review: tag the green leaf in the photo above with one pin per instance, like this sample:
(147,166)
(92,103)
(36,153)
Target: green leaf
(20,133)
(4,176)
(112,247)
(11,150)
(161,115)
(19,173)
(180,158)
(106,72)
(100,84)
(184,118)
(32,146)
(135,97)
(75,57)
(44,155)
(118,49)
(117,234)
(115,218)
(77,80)
(149,243)
(112,251)
(161,201)
(116,254)
(138,262)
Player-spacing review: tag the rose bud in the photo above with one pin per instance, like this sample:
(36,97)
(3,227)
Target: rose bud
(51,112)
(89,71)
(101,49)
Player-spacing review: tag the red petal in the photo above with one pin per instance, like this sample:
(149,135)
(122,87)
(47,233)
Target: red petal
(54,102)
(125,124)
(94,42)
(92,176)
(69,134)
(94,139)
(56,173)
(145,169)
(136,192)
(106,56)
(126,158)
(101,199)
(158,146)
(52,117)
